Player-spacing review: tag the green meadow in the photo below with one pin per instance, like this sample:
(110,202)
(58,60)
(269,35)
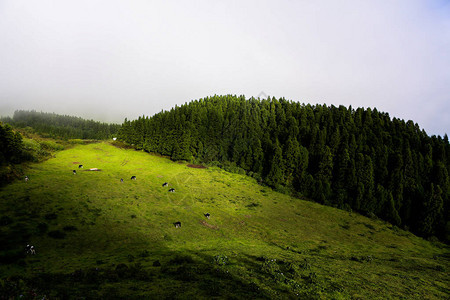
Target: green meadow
(98,237)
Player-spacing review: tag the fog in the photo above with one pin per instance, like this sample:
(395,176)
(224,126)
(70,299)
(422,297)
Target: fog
(108,60)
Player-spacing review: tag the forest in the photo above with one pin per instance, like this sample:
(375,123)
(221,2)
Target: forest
(354,159)
(61,126)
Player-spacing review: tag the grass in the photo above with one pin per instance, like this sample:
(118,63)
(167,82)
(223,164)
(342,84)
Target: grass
(98,237)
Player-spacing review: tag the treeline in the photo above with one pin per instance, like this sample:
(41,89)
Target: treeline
(358,159)
(62,126)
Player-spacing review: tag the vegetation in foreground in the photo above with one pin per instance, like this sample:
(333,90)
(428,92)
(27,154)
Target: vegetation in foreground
(96,237)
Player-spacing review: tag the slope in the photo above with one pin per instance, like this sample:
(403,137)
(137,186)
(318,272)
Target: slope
(96,236)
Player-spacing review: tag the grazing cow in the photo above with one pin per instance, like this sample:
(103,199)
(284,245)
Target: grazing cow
(207,215)
(165,184)
(133,177)
(172,190)
(177,224)
(80,166)
(121,179)
(30,249)
(26,178)
(74,172)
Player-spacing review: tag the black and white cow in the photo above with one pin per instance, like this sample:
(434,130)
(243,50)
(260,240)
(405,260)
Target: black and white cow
(26,178)
(207,215)
(177,224)
(133,177)
(165,184)
(30,249)
(74,172)
(80,166)
(172,190)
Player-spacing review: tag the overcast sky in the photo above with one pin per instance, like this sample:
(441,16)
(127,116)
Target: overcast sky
(108,60)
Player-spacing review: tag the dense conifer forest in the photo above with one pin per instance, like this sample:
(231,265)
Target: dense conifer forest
(358,159)
(62,126)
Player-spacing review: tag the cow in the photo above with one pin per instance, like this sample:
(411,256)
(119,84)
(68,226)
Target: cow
(207,215)
(30,249)
(74,172)
(177,224)
(172,190)
(165,184)
(26,178)
(133,177)
(121,179)
(80,166)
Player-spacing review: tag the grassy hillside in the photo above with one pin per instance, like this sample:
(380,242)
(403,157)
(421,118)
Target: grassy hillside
(98,237)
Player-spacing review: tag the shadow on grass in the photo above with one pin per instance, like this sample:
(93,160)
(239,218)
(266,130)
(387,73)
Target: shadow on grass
(180,276)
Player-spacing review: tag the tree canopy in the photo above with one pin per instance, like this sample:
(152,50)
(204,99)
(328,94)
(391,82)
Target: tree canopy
(62,126)
(344,157)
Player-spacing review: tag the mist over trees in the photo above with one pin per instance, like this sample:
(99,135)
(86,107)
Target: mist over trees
(358,159)
(62,126)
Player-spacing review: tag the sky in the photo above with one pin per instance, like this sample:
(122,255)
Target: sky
(107,60)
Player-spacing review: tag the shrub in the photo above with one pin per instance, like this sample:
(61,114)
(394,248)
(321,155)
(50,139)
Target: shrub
(51,146)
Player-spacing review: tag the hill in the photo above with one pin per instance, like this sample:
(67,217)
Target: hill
(358,159)
(98,237)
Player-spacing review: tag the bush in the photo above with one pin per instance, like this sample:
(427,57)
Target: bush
(51,146)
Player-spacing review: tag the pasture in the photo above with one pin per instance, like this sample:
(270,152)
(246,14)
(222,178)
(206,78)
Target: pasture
(96,236)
